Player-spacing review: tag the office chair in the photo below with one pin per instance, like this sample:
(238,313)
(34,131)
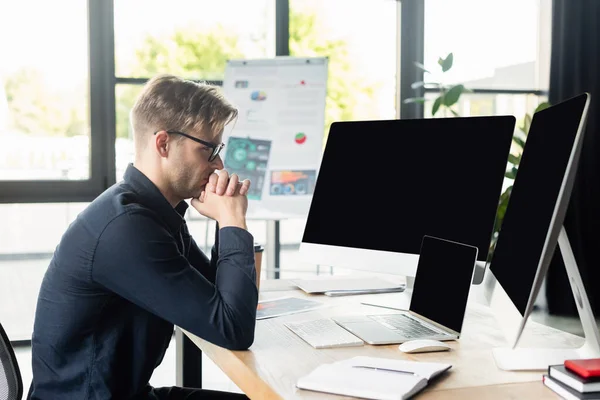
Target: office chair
(11,385)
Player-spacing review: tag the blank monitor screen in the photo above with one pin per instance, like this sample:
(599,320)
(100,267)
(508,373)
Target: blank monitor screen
(383,185)
(443,275)
(533,199)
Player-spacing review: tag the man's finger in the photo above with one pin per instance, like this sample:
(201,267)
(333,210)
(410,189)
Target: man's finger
(212,182)
(223,182)
(233,184)
(213,178)
(197,202)
(200,206)
(245,187)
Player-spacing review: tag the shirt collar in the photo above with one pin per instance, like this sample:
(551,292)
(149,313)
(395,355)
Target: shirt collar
(151,197)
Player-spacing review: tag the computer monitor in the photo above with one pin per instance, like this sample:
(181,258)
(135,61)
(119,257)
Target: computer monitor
(533,224)
(385,184)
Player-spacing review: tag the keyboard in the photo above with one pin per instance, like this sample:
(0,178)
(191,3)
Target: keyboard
(406,326)
(323,333)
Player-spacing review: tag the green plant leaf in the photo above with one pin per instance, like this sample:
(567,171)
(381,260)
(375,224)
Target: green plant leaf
(519,141)
(526,124)
(454,112)
(513,159)
(419,84)
(421,66)
(446,63)
(542,106)
(436,105)
(502,206)
(418,100)
(453,94)
(511,174)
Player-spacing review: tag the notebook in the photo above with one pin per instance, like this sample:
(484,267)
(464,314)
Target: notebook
(372,378)
(567,392)
(571,379)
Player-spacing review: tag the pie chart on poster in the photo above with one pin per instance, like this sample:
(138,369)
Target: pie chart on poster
(300,138)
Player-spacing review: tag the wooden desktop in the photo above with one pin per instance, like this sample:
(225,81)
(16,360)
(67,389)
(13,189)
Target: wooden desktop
(273,364)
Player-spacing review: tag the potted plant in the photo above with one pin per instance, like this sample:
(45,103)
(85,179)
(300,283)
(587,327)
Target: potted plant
(514,159)
(448,95)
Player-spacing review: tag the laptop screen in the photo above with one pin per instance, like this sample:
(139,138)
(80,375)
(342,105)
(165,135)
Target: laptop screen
(443,281)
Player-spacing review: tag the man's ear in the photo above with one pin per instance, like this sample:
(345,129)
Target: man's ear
(162,143)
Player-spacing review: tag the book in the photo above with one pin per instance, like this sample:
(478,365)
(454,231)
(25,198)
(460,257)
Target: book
(285,306)
(567,392)
(372,378)
(573,380)
(586,368)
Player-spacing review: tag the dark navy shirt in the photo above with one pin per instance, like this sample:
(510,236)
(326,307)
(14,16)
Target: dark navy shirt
(125,271)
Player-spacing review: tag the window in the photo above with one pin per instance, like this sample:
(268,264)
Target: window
(194,44)
(125,95)
(53,102)
(496,45)
(44,84)
(190,38)
(359,38)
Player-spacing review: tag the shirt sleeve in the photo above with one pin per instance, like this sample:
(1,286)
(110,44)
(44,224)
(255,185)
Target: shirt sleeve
(138,259)
(198,259)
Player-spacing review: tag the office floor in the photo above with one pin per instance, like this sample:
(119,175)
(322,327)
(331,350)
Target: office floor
(26,277)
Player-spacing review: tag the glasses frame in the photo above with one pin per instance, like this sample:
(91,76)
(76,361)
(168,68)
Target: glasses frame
(216,148)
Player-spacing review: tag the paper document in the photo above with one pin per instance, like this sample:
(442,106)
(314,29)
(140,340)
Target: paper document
(372,378)
(285,306)
(331,284)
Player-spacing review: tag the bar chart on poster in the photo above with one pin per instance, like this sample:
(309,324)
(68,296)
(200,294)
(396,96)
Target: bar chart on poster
(277,139)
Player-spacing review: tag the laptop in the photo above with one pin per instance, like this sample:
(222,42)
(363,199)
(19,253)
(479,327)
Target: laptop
(438,301)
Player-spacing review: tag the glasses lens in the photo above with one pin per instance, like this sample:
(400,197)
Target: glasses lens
(215,152)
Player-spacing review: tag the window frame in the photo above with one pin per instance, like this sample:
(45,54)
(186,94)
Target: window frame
(102,123)
(415,26)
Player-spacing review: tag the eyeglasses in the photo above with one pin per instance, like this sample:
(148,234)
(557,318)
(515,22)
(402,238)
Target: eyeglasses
(216,148)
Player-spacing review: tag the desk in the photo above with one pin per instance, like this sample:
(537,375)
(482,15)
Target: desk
(271,367)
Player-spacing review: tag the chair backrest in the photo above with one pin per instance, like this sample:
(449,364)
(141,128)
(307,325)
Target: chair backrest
(11,385)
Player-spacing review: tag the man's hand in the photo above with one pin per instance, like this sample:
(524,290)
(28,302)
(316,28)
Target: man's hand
(227,210)
(221,183)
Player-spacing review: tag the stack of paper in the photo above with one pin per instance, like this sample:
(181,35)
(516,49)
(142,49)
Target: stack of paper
(372,378)
(336,286)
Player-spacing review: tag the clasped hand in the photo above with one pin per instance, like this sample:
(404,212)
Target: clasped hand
(224,199)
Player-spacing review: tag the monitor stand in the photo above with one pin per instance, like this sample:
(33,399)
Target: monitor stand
(514,359)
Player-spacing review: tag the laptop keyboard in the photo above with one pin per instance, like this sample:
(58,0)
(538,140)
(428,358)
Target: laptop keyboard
(406,326)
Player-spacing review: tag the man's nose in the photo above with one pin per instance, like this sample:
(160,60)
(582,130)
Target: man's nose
(218,162)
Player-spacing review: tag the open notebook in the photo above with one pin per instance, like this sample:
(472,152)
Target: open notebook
(372,378)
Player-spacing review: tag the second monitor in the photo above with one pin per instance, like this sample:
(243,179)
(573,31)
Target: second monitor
(383,185)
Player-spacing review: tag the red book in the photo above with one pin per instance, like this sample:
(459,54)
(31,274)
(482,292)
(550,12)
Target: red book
(586,368)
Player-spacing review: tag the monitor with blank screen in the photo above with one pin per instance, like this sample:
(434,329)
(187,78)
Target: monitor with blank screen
(385,184)
(531,229)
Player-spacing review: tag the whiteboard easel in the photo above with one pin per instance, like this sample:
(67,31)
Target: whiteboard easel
(277,140)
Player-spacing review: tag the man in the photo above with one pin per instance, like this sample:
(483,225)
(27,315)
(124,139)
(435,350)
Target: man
(127,270)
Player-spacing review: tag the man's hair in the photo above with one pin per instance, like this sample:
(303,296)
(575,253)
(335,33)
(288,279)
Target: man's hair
(169,102)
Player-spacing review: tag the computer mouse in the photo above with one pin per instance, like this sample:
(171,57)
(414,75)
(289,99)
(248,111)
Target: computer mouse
(423,346)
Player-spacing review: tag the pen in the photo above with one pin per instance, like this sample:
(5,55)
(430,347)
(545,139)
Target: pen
(384,369)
